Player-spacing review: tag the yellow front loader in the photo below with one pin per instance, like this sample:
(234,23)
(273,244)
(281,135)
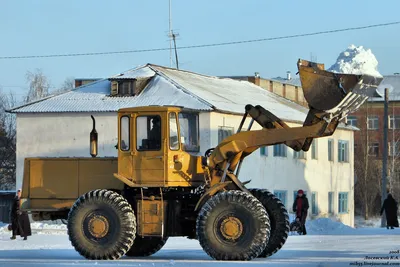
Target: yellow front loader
(166,190)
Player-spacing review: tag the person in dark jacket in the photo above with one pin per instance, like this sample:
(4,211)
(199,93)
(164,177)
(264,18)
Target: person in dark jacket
(19,220)
(300,207)
(390,208)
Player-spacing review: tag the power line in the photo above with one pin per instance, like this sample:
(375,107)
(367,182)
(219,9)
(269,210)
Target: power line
(204,45)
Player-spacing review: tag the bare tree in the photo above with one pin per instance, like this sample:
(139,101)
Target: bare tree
(68,84)
(367,169)
(7,142)
(38,85)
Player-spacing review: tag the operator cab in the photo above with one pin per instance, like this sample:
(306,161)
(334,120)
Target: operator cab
(154,138)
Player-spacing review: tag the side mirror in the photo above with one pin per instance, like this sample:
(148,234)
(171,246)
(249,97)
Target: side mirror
(93,139)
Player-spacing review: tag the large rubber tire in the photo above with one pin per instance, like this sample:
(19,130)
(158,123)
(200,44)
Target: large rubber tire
(146,246)
(279,221)
(101,225)
(245,211)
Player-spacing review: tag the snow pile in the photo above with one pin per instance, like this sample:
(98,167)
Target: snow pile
(48,226)
(323,226)
(360,222)
(356,60)
(42,227)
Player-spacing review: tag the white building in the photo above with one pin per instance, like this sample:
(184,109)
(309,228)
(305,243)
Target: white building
(59,126)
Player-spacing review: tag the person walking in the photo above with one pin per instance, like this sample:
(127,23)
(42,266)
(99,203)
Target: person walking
(390,208)
(20,224)
(300,207)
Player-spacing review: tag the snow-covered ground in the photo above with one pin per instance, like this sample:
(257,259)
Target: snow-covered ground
(329,243)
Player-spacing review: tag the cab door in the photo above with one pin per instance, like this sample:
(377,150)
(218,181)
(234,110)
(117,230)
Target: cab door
(149,155)
(125,145)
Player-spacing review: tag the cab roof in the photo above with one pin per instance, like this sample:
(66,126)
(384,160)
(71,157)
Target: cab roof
(156,108)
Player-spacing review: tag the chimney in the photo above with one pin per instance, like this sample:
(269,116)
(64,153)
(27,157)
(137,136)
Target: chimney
(288,75)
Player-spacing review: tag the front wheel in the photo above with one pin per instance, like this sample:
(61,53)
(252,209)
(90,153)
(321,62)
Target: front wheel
(233,225)
(101,225)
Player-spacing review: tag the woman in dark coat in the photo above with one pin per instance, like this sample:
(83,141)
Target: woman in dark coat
(300,207)
(390,208)
(19,220)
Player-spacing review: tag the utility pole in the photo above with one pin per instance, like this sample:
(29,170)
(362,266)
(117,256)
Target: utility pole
(385,152)
(174,35)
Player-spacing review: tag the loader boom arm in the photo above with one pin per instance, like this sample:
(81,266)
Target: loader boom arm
(330,97)
(274,132)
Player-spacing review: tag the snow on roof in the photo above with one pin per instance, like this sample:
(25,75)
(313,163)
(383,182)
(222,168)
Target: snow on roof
(231,95)
(392,82)
(293,81)
(169,87)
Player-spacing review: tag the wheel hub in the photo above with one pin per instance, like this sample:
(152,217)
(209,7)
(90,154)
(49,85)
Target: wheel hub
(231,228)
(98,226)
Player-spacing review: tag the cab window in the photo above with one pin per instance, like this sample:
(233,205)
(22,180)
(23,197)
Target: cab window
(173,132)
(148,133)
(125,133)
(189,131)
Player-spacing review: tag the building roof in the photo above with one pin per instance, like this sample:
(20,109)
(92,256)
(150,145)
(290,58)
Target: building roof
(295,81)
(393,83)
(169,87)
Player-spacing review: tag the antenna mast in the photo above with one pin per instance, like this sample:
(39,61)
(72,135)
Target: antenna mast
(170,36)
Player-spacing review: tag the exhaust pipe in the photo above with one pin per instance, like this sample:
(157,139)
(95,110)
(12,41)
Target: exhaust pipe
(93,139)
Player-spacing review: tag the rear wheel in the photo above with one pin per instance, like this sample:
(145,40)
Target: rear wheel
(146,246)
(233,225)
(279,221)
(101,225)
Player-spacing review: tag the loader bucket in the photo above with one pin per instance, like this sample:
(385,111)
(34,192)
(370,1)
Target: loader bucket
(334,93)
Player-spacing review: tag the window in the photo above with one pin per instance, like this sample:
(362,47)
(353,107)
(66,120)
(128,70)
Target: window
(343,201)
(148,133)
(314,149)
(189,130)
(373,149)
(281,194)
(394,122)
(373,122)
(264,151)
(314,203)
(343,149)
(352,120)
(396,148)
(173,132)
(126,88)
(280,150)
(330,149)
(125,143)
(330,202)
(224,132)
(299,154)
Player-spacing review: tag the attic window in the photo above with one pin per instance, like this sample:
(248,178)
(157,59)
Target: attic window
(128,87)
(125,87)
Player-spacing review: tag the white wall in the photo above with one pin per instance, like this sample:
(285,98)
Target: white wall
(287,173)
(63,135)
(67,135)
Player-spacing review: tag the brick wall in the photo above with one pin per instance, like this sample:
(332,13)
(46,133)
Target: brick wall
(375,136)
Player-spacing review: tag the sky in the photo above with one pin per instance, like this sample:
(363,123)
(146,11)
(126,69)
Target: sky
(45,27)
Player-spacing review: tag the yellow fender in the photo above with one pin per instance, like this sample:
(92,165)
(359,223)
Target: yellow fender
(212,191)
